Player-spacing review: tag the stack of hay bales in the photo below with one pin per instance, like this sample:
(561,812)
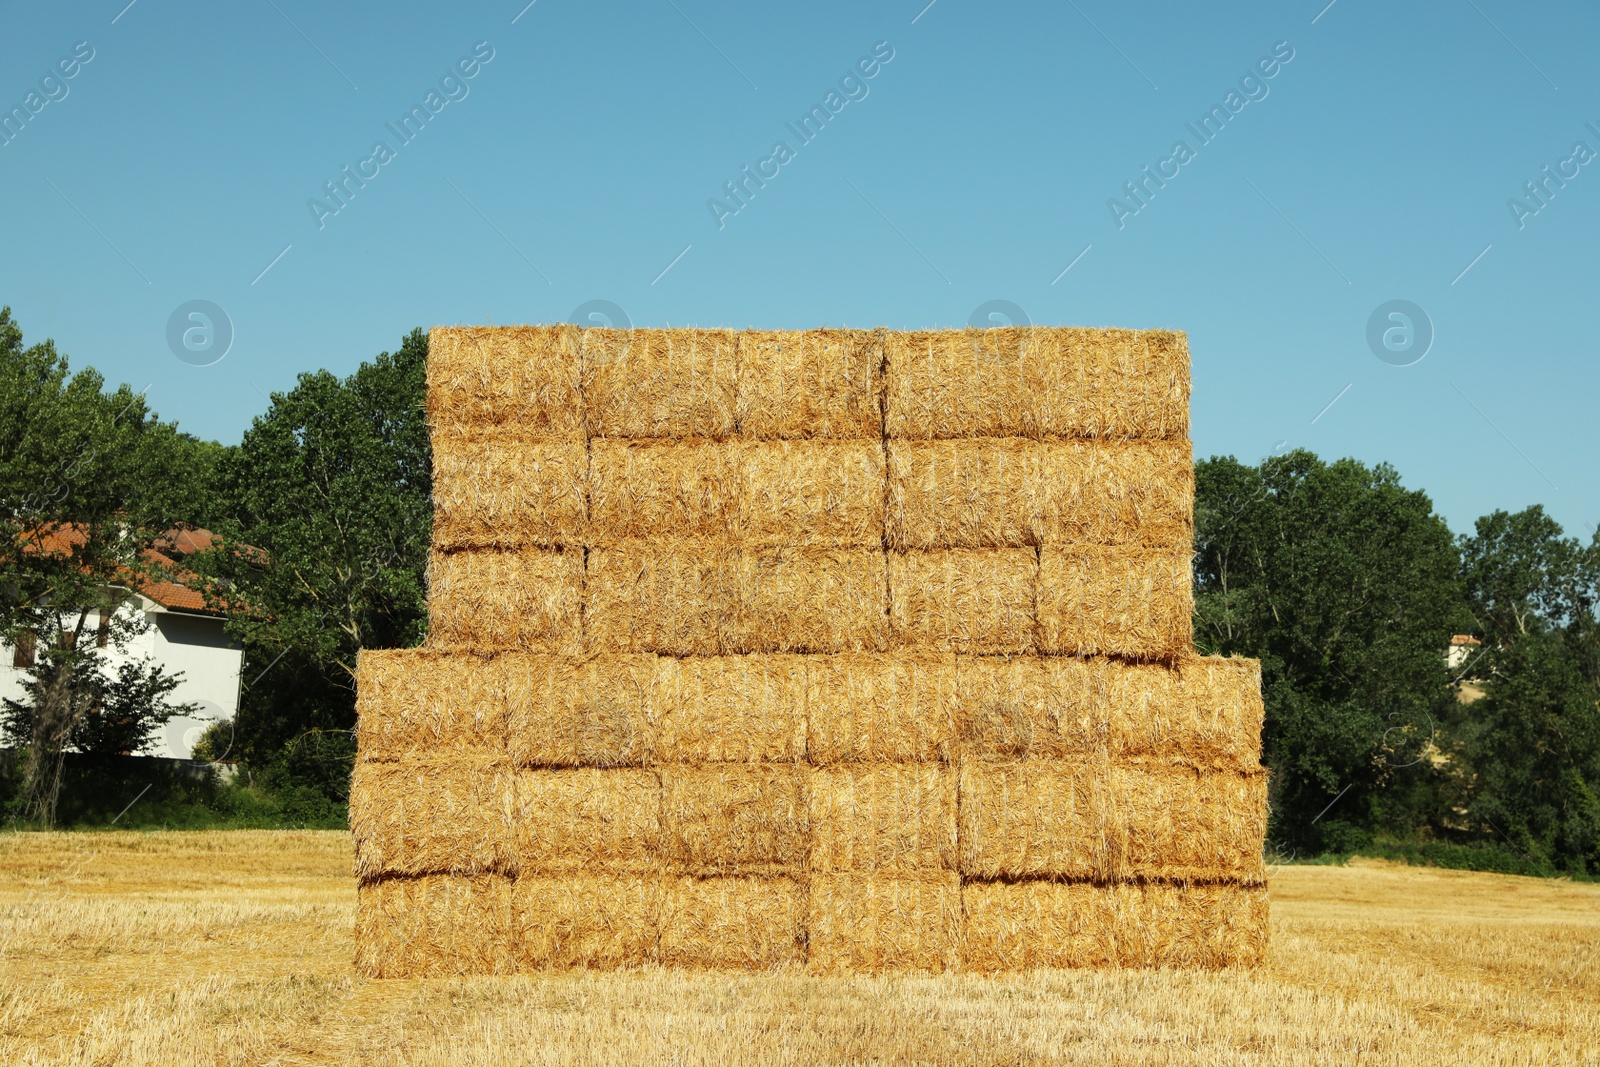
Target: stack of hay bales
(853,649)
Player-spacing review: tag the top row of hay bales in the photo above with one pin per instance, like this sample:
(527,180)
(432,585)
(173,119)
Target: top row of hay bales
(573,383)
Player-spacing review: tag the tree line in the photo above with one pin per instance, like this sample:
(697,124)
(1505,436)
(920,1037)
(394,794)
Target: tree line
(1346,584)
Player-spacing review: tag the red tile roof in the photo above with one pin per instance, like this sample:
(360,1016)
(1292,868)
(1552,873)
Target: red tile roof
(175,588)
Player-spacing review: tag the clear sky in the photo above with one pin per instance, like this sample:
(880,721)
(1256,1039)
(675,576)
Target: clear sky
(577,160)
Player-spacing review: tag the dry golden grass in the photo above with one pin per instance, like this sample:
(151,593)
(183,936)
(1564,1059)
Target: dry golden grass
(235,948)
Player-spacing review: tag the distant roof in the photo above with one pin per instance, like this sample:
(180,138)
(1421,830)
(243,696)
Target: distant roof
(181,591)
(1465,639)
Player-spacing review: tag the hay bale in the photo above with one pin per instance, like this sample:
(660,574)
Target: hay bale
(703,598)
(1122,601)
(585,920)
(731,709)
(525,599)
(754,493)
(810,383)
(598,712)
(882,817)
(976,600)
(1014,492)
(436,816)
(1011,926)
(1039,382)
(1205,712)
(418,702)
(659,383)
(1109,823)
(587,819)
(526,376)
(732,923)
(895,707)
(497,486)
(734,818)
(872,923)
(435,926)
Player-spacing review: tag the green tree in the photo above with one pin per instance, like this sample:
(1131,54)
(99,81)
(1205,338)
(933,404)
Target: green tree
(1532,746)
(1344,584)
(331,491)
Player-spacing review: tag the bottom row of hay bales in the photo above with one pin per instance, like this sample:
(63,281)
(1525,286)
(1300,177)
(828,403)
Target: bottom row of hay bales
(440,925)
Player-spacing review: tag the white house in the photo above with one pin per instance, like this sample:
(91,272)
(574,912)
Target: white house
(182,635)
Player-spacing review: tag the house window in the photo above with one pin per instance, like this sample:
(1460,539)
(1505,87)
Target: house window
(22,655)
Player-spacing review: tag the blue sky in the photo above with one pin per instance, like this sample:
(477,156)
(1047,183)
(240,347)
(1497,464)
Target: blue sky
(976,164)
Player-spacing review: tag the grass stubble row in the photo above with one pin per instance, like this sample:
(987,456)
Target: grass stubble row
(858,649)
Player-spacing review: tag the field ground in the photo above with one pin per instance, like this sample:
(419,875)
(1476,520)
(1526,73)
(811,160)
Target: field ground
(234,948)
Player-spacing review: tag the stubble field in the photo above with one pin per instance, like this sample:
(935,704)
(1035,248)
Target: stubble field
(235,948)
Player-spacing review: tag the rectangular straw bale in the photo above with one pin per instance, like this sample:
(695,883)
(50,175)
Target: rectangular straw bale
(882,817)
(595,820)
(704,598)
(744,923)
(435,816)
(1013,492)
(1118,601)
(1000,705)
(496,485)
(871,923)
(810,383)
(526,599)
(897,707)
(734,818)
(596,712)
(522,376)
(586,920)
(732,709)
(1010,926)
(1039,382)
(413,702)
(978,600)
(435,926)
(659,383)
(755,493)
(1091,820)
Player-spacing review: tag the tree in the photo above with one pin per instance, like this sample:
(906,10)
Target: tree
(1344,584)
(89,481)
(331,489)
(1533,744)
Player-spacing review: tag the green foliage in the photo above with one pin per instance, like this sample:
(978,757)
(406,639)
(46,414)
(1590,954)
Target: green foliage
(1345,585)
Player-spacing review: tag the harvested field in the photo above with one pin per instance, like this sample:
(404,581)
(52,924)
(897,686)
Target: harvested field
(237,949)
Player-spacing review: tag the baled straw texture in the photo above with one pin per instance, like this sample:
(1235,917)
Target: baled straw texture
(417,702)
(526,376)
(565,712)
(1013,926)
(1111,823)
(899,707)
(495,486)
(438,816)
(659,383)
(976,600)
(490,600)
(731,709)
(732,923)
(882,817)
(1133,602)
(1014,492)
(703,598)
(1038,382)
(435,926)
(734,818)
(1203,711)
(872,923)
(755,493)
(585,819)
(810,383)
(586,920)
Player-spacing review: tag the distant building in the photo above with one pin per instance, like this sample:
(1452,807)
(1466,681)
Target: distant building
(182,635)
(1462,648)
